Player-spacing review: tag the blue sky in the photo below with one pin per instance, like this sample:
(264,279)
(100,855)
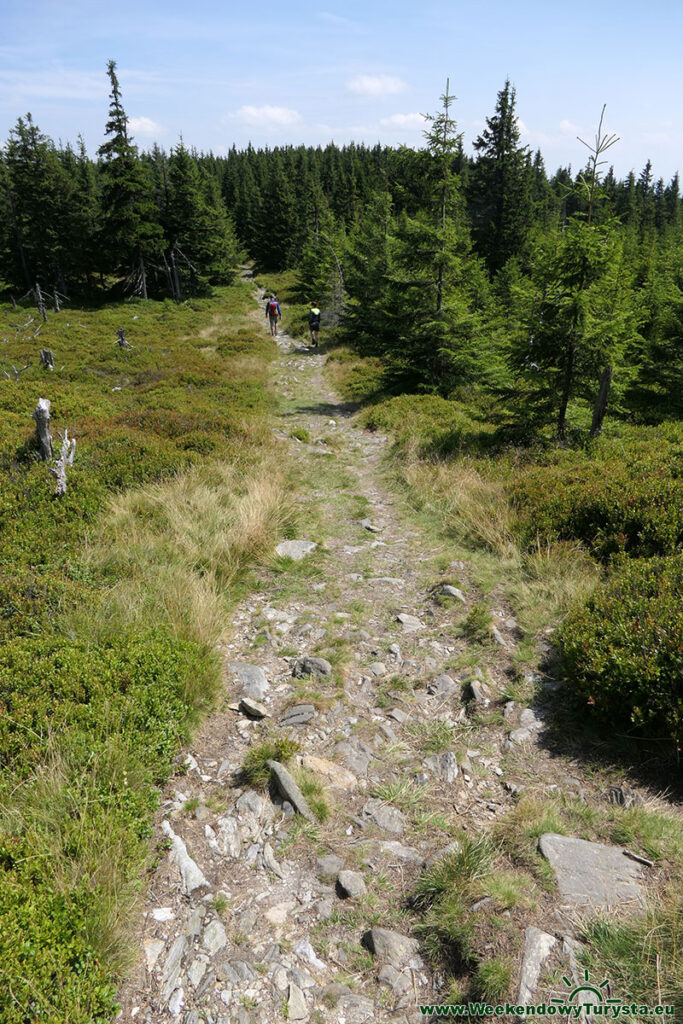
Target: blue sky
(299,71)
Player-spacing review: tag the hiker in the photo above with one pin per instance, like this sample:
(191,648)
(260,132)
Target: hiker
(314,323)
(273,313)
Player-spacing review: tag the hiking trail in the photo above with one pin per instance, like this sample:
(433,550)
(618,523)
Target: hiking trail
(258,915)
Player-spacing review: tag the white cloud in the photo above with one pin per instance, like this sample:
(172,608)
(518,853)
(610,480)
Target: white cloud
(267,116)
(144,126)
(376,85)
(409,121)
(569,128)
(53,84)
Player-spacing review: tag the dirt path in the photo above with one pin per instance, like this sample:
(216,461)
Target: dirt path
(266,931)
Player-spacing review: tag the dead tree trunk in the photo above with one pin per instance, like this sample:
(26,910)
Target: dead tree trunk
(40,302)
(66,458)
(143,278)
(47,359)
(41,415)
(601,401)
(178,294)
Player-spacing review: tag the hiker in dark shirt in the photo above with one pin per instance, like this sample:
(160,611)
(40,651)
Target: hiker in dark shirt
(314,324)
(273,313)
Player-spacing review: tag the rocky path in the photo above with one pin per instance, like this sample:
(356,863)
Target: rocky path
(259,913)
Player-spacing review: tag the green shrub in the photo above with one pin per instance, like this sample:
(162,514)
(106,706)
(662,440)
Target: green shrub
(623,651)
(255,770)
(622,498)
(428,423)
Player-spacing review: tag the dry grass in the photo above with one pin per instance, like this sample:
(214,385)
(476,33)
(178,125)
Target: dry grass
(473,507)
(179,546)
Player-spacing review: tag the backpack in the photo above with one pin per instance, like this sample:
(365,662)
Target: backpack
(272,309)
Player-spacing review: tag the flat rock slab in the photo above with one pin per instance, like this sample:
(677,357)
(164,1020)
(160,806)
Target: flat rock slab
(410,623)
(311,667)
(252,678)
(298,714)
(289,790)
(336,776)
(592,876)
(386,817)
(295,549)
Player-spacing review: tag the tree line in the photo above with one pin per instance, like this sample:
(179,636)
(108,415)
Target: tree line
(461,272)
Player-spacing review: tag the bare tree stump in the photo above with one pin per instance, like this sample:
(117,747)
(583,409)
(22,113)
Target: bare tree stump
(66,458)
(600,407)
(121,338)
(40,302)
(47,359)
(41,415)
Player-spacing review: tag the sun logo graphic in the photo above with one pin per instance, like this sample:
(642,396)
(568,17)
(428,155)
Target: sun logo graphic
(586,993)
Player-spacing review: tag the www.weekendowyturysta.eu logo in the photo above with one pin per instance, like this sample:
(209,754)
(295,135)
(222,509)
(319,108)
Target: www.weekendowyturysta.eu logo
(587,999)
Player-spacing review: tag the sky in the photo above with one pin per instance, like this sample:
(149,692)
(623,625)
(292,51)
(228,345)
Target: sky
(221,72)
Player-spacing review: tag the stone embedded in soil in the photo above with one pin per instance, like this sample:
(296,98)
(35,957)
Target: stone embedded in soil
(214,937)
(355,754)
(153,949)
(519,736)
(252,708)
(408,854)
(171,970)
(537,948)
(392,947)
(448,766)
(311,667)
(176,1002)
(296,1003)
(191,875)
(530,720)
(442,686)
(367,524)
(329,865)
(289,790)
(351,884)
(334,774)
(478,693)
(295,549)
(252,678)
(378,668)
(410,623)
(298,714)
(269,861)
(387,818)
(450,591)
(592,876)
(500,639)
(399,983)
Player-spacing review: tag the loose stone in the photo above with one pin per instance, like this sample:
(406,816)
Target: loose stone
(351,884)
(295,549)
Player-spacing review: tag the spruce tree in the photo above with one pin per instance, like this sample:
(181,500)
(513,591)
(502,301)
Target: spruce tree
(131,237)
(500,185)
(581,316)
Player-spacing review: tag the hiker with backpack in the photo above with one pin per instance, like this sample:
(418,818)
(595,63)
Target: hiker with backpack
(314,323)
(273,313)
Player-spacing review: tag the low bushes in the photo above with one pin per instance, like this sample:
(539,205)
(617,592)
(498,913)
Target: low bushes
(623,650)
(625,497)
(111,603)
